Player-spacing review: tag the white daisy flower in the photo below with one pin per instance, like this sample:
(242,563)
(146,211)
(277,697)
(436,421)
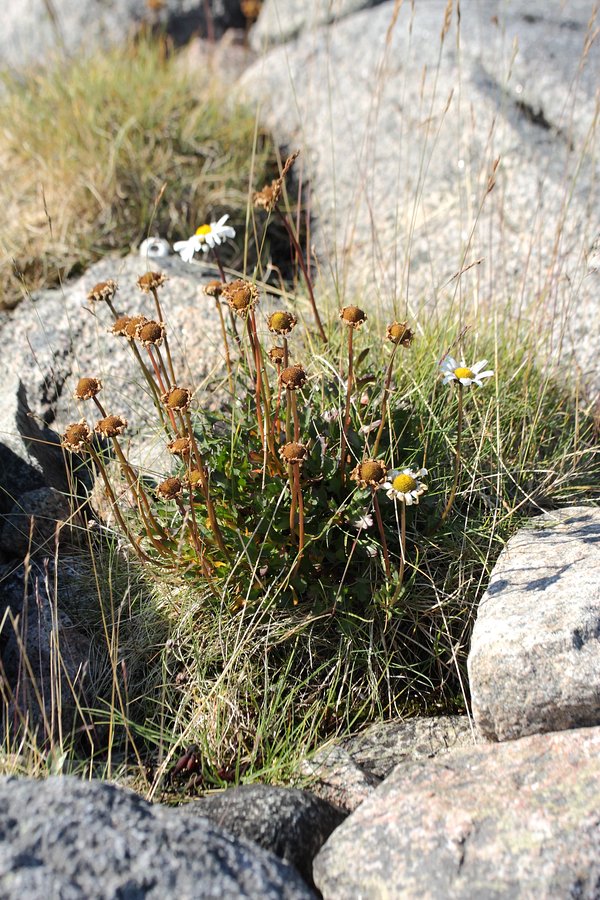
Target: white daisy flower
(206,238)
(405,485)
(362,522)
(466,375)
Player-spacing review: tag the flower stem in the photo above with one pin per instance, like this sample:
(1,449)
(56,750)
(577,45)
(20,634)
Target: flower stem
(457,457)
(346,422)
(386,556)
(225,344)
(386,393)
(305,272)
(166,340)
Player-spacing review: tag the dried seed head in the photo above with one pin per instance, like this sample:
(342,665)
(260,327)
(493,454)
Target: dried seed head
(111,426)
(131,327)
(277,355)
(194,478)
(293,378)
(177,398)
(151,281)
(87,388)
(369,472)
(281,322)
(293,452)
(170,489)
(76,437)
(104,290)
(181,446)
(150,332)
(120,325)
(353,316)
(400,333)
(214,288)
(241,295)
(269,196)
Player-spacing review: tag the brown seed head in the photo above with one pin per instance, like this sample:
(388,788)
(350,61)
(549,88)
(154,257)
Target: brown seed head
(150,332)
(170,489)
(277,354)
(281,322)
(120,326)
(177,398)
(76,437)
(293,452)
(269,196)
(241,295)
(111,426)
(151,281)
(87,388)
(400,333)
(293,378)
(194,478)
(369,472)
(181,446)
(131,327)
(214,288)
(353,316)
(104,290)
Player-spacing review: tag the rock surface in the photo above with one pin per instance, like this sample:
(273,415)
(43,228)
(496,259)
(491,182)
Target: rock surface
(44,655)
(503,820)
(400,136)
(534,663)
(34,30)
(36,523)
(57,337)
(281,20)
(292,824)
(67,838)
(347,773)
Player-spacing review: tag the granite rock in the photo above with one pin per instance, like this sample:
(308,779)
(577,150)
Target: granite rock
(282,20)
(93,841)
(497,820)
(534,663)
(291,823)
(35,524)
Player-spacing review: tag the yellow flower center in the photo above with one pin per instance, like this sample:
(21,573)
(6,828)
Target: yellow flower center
(463,372)
(404,483)
(203,230)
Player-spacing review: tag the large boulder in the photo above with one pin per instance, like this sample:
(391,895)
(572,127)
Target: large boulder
(281,20)
(90,840)
(496,820)
(534,663)
(429,157)
(35,30)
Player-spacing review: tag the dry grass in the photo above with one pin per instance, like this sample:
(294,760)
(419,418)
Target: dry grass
(89,145)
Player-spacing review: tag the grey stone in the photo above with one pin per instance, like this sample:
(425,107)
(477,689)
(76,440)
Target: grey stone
(335,776)
(398,142)
(281,20)
(497,820)
(57,337)
(44,655)
(534,663)
(92,841)
(291,823)
(36,30)
(36,523)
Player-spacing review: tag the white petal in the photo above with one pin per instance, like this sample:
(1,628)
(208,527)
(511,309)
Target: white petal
(479,365)
(408,500)
(228,232)
(222,220)
(449,378)
(466,381)
(487,374)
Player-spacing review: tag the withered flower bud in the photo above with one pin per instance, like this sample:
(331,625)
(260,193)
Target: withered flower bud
(293,452)
(293,378)
(76,437)
(104,290)
(353,316)
(369,472)
(400,333)
(151,281)
(111,426)
(277,355)
(181,446)
(87,388)
(241,295)
(281,322)
(214,288)
(150,332)
(170,489)
(177,398)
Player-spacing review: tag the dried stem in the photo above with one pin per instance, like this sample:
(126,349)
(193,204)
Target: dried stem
(457,456)
(307,278)
(346,422)
(386,394)
(386,556)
